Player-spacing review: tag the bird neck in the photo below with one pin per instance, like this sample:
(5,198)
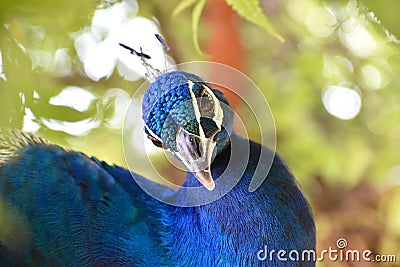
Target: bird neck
(231,172)
(276,214)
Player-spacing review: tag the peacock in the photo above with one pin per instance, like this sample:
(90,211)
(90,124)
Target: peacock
(59,207)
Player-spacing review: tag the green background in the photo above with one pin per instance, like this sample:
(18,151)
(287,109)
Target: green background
(348,169)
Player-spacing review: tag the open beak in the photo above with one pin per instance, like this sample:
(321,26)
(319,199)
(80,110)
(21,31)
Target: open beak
(196,154)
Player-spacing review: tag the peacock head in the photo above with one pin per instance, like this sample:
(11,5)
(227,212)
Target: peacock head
(184,115)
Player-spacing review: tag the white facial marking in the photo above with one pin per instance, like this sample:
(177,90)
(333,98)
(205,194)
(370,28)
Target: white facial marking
(196,110)
(152,133)
(218,112)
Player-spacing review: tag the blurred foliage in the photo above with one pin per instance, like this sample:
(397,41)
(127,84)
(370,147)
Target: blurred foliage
(252,11)
(348,168)
(248,9)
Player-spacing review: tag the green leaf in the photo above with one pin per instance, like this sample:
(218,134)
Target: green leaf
(251,10)
(182,6)
(198,9)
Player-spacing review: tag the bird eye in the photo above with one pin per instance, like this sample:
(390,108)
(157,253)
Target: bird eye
(206,104)
(155,141)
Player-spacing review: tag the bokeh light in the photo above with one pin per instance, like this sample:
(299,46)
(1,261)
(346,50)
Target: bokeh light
(73,97)
(341,102)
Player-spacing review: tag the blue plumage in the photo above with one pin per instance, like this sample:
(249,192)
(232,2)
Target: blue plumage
(75,213)
(61,208)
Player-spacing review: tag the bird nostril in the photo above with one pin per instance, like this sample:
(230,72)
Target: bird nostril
(197,141)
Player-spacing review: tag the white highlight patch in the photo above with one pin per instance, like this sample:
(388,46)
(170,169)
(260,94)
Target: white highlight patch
(73,97)
(342,102)
(218,113)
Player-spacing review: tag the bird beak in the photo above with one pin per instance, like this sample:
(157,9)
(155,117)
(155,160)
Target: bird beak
(196,154)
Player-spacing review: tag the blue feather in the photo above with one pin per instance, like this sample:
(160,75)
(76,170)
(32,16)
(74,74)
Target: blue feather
(77,214)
